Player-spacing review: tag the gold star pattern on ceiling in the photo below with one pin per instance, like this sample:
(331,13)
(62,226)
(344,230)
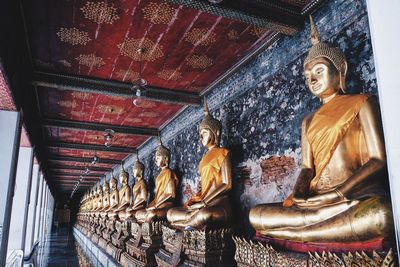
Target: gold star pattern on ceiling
(233,35)
(257,31)
(90,60)
(110,109)
(169,74)
(80,95)
(199,61)
(200,36)
(73,36)
(151,51)
(127,75)
(100,12)
(158,13)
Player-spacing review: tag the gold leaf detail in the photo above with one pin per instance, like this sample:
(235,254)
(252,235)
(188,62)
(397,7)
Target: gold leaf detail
(80,114)
(127,75)
(73,36)
(151,51)
(158,13)
(170,75)
(110,109)
(199,61)
(90,60)
(100,12)
(133,120)
(233,35)
(200,36)
(80,95)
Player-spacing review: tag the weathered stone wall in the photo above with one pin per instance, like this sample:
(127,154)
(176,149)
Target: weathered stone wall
(261,108)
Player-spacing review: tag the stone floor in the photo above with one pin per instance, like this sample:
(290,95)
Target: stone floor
(63,251)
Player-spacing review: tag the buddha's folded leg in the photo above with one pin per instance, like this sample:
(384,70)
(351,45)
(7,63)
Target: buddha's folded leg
(269,216)
(217,215)
(178,214)
(160,213)
(141,215)
(369,219)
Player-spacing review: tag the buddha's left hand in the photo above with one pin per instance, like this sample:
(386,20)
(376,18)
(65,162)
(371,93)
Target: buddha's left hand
(322,200)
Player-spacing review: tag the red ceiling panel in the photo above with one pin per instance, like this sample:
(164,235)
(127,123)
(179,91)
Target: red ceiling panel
(79,164)
(105,109)
(185,49)
(7,102)
(92,137)
(87,154)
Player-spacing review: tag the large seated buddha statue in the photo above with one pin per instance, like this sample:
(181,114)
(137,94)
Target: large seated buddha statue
(124,194)
(166,184)
(339,195)
(210,206)
(99,201)
(139,190)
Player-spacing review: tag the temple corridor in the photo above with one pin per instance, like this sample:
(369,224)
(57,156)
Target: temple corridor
(201,133)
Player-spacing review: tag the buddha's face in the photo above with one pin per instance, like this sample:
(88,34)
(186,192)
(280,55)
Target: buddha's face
(207,138)
(113,185)
(161,161)
(138,173)
(123,179)
(323,79)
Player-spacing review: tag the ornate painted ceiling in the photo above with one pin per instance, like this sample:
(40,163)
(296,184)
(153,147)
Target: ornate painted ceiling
(95,52)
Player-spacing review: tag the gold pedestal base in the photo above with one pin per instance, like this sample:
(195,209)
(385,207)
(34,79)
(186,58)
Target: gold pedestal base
(145,241)
(256,254)
(196,248)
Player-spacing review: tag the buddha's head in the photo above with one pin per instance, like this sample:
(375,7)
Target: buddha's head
(106,186)
(113,182)
(325,67)
(209,129)
(99,190)
(123,176)
(138,169)
(163,155)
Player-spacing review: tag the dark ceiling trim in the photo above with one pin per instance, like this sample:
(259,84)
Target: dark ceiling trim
(273,15)
(77,168)
(81,159)
(75,146)
(100,127)
(113,88)
(89,176)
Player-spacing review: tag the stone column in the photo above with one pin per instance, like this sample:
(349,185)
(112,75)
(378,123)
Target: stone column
(30,228)
(38,209)
(19,213)
(383,18)
(10,134)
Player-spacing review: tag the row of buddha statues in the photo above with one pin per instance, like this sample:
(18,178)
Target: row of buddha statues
(339,197)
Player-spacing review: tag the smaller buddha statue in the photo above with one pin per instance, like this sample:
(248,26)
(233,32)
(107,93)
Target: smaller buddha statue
(210,206)
(99,201)
(166,184)
(124,194)
(139,190)
(114,197)
(106,198)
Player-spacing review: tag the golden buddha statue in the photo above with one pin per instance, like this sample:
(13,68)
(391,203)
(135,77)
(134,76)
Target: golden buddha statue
(139,190)
(210,206)
(166,184)
(338,196)
(99,199)
(106,198)
(124,194)
(114,197)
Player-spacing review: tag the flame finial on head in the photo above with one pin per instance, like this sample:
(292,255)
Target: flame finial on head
(315,36)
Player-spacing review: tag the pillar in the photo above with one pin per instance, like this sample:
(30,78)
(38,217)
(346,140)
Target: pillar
(10,133)
(383,18)
(19,213)
(30,228)
(38,209)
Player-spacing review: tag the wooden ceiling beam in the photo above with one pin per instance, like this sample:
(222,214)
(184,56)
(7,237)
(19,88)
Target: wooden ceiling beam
(113,88)
(81,159)
(90,147)
(99,127)
(89,176)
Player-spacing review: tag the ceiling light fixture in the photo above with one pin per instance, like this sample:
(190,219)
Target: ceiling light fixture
(95,159)
(139,86)
(109,133)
